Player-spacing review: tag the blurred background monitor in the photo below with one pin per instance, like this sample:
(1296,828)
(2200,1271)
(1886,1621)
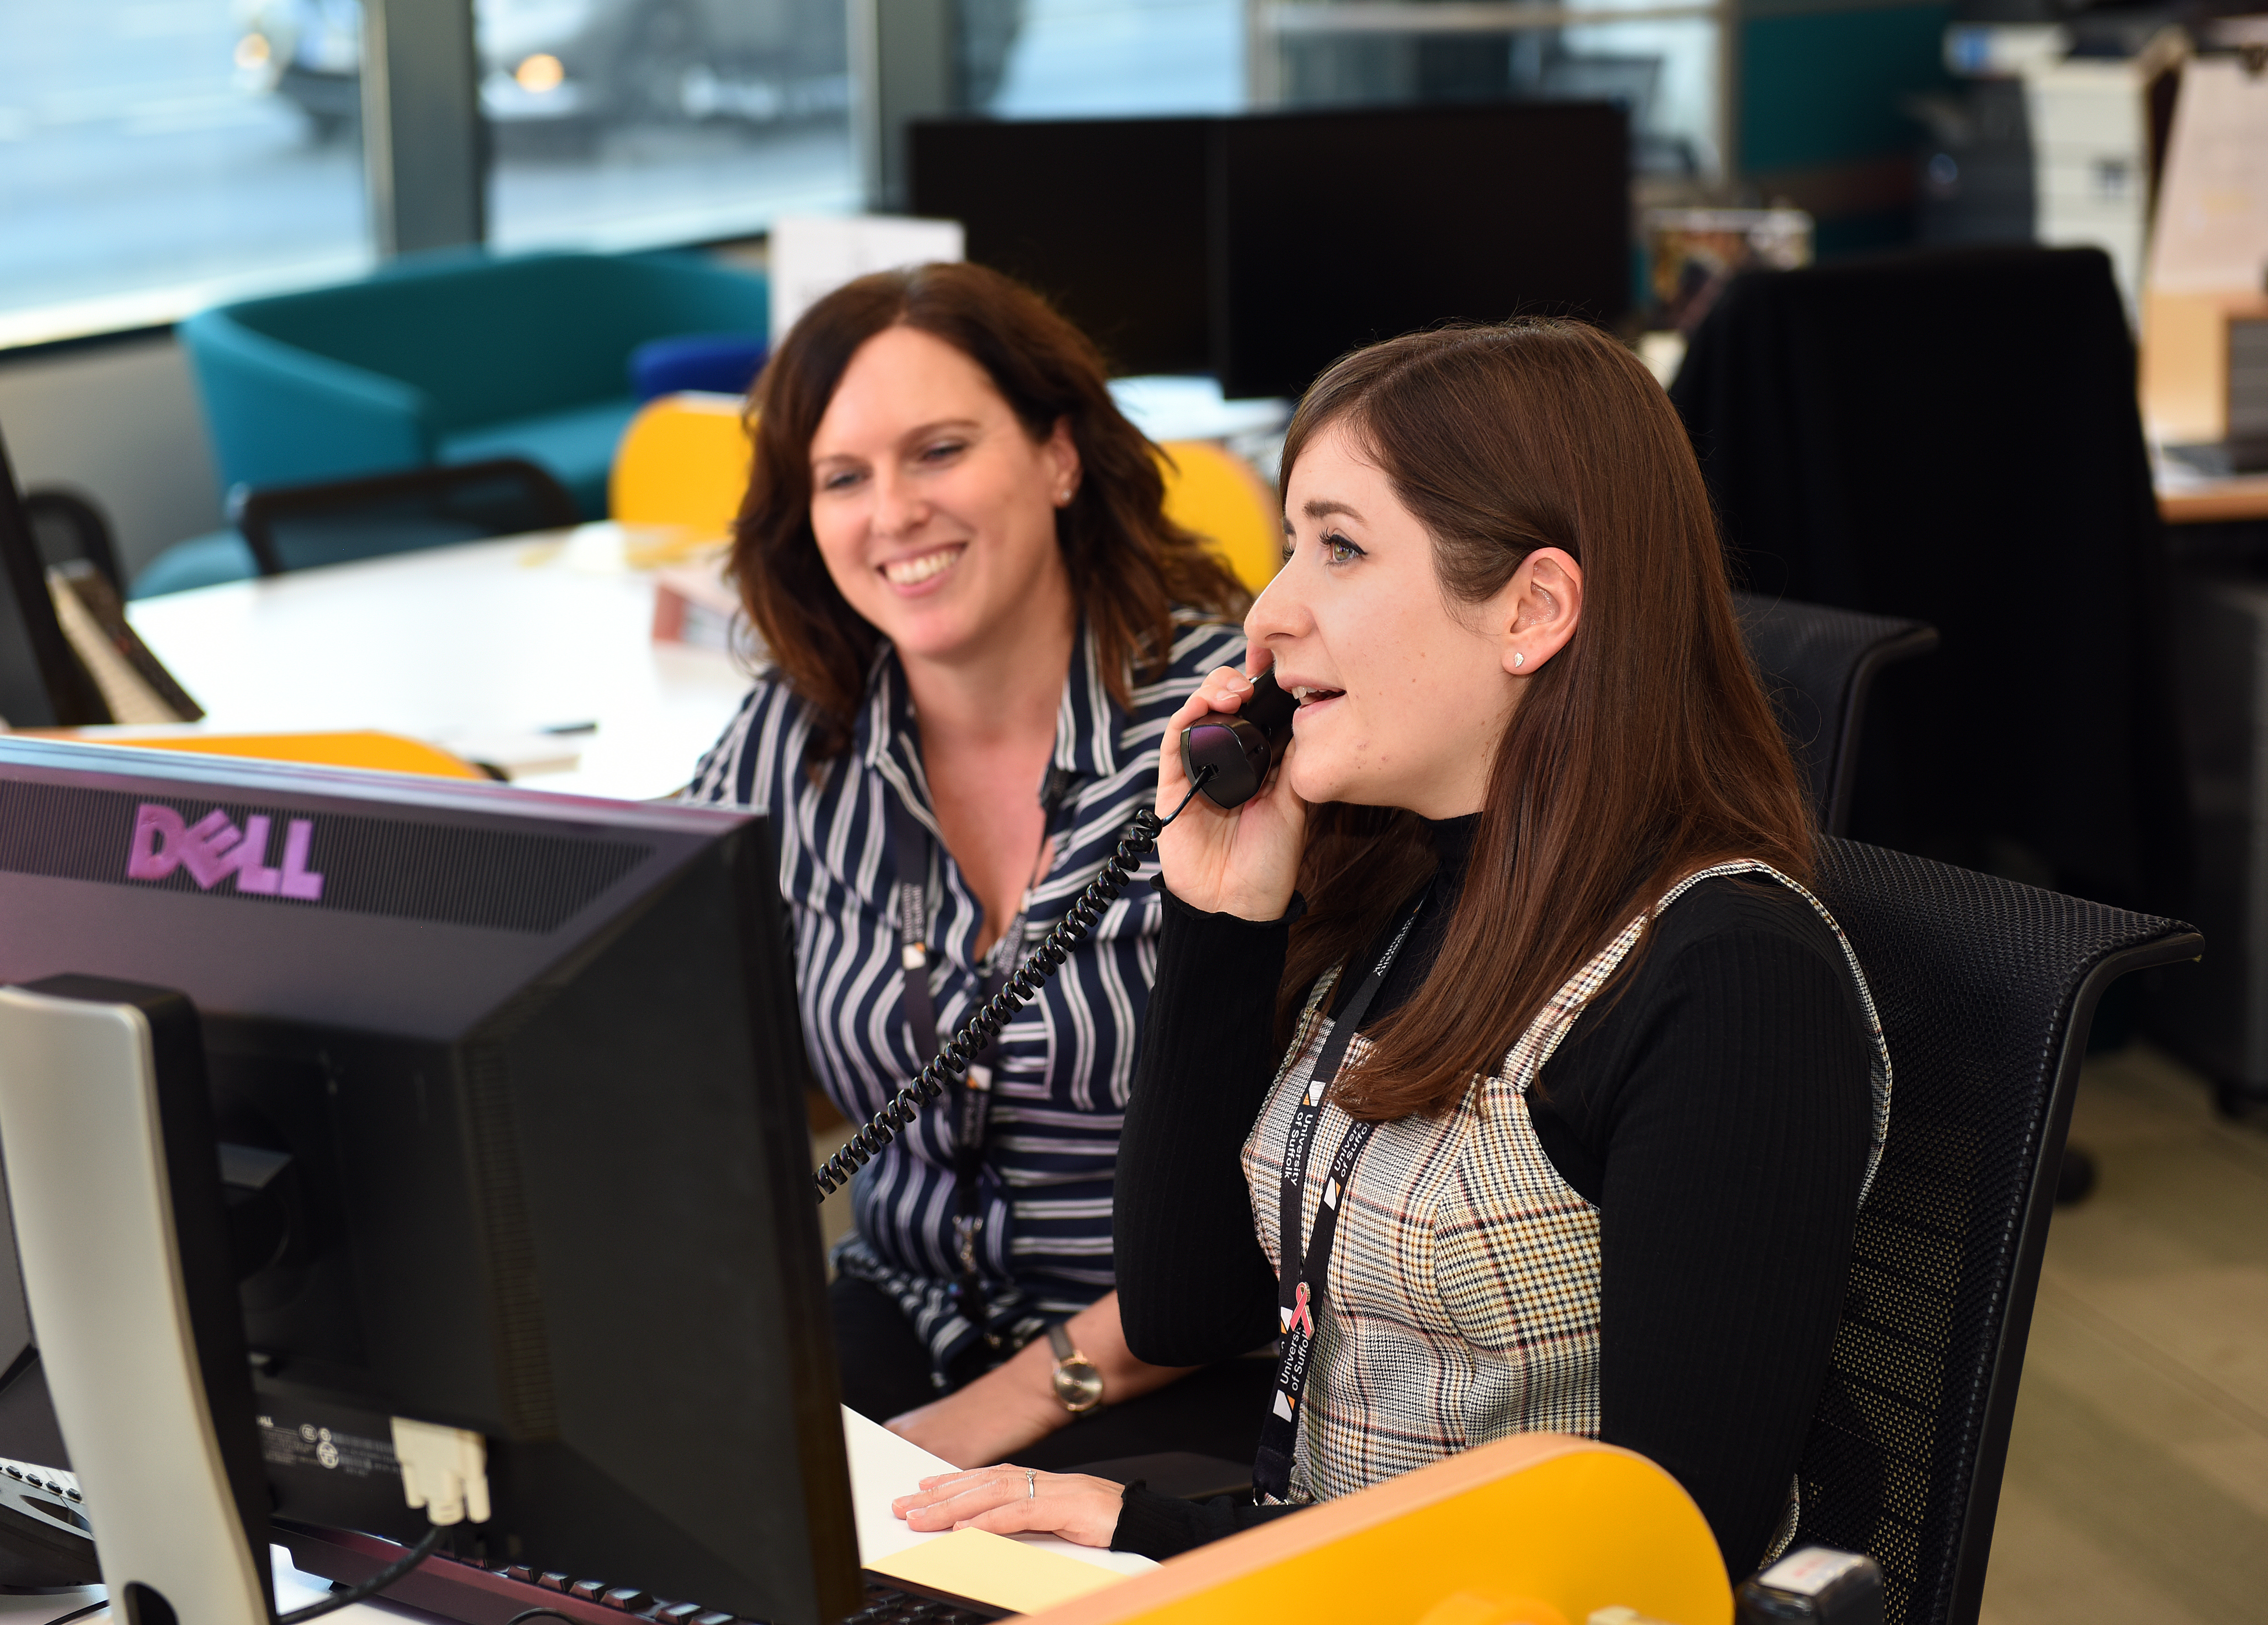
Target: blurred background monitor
(1260,248)
(1108,217)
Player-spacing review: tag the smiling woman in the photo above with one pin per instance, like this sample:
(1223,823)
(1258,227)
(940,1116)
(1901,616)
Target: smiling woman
(979,619)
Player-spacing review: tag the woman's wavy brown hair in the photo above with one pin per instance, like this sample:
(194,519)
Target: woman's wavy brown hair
(1129,565)
(1644,751)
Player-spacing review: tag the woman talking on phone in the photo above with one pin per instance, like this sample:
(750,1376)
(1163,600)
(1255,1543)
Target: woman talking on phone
(1553,1107)
(978,621)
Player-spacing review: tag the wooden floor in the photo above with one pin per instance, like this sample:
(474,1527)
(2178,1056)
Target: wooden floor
(2136,1488)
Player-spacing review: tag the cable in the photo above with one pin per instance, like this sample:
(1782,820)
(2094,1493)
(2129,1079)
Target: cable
(80,1614)
(525,1614)
(371,1587)
(954,1056)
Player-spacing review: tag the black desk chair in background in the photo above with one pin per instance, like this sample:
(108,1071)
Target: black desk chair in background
(1953,435)
(299,527)
(1819,665)
(1986,990)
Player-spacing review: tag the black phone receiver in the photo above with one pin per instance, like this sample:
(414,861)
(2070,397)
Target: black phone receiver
(1240,747)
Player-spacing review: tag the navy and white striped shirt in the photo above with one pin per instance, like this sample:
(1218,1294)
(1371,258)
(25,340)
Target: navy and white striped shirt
(1061,1069)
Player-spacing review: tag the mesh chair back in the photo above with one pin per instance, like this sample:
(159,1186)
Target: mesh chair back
(1818,665)
(1986,989)
(301,527)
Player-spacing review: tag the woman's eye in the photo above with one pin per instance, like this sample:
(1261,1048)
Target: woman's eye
(840,480)
(1339,550)
(942,450)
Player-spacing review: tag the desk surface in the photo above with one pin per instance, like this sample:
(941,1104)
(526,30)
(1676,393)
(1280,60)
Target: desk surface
(2187,498)
(510,636)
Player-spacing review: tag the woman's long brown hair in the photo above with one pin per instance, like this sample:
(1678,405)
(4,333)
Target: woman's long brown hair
(1644,750)
(1129,564)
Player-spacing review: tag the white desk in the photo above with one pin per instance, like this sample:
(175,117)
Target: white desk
(507,637)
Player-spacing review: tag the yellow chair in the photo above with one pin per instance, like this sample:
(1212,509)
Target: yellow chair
(1215,493)
(1537,1529)
(683,461)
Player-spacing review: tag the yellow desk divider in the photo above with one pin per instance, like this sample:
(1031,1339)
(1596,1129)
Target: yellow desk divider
(1538,1529)
(1213,491)
(362,747)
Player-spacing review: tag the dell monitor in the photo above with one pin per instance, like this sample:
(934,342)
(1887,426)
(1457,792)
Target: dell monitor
(482,1110)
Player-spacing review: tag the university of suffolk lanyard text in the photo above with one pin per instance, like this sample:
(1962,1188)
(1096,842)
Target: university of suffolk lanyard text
(1299,1285)
(972,1095)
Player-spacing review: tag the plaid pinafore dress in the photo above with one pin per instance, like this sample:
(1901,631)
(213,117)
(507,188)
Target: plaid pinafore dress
(1462,1302)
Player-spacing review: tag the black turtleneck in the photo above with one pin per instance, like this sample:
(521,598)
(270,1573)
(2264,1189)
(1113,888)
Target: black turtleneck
(1716,1112)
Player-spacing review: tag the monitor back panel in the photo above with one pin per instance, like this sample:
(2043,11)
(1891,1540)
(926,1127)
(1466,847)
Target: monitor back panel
(1341,229)
(1107,218)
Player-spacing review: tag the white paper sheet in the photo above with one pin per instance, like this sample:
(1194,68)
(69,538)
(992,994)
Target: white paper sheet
(884,1466)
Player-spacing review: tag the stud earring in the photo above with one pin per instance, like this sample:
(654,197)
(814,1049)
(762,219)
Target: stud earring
(1519,659)
(1063,498)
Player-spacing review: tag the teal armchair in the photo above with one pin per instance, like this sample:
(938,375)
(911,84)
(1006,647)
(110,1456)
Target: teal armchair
(456,357)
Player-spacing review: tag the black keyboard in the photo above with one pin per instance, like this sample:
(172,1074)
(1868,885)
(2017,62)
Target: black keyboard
(887,1607)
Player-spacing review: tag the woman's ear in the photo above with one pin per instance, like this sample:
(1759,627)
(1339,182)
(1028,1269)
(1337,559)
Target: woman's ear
(1059,454)
(1546,603)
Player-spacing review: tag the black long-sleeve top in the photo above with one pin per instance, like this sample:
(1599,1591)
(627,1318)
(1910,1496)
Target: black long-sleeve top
(1718,1114)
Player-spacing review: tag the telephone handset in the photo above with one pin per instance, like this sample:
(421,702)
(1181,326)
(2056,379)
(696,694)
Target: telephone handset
(1240,747)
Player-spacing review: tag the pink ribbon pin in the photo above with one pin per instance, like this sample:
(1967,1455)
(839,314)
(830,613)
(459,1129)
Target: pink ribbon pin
(1301,1317)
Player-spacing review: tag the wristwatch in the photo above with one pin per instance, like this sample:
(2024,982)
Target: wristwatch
(1077,1379)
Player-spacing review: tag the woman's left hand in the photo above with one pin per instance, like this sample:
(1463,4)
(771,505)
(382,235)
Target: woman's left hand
(1009,1500)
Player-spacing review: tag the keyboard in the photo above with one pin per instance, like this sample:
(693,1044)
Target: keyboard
(462,1589)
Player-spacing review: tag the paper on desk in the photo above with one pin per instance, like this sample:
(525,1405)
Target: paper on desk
(995,1569)
(883,1466)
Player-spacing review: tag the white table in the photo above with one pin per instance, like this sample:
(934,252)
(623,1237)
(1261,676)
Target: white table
(497,637)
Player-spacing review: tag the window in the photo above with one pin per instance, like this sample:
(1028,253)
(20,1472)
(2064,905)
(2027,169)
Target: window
(1110,58)
(630,124)
(146,168)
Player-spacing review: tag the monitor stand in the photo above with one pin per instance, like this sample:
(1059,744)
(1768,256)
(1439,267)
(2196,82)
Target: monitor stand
(113,1180)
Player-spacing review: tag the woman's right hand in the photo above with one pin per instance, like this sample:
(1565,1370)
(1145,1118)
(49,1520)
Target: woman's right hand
(1245,860)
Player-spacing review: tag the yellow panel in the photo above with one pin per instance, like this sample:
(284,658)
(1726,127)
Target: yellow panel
(389,752)
(683,461)
(1217,495)
(1513,1530)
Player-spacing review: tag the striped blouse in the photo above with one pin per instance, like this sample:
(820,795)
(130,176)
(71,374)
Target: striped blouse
(1061,1069)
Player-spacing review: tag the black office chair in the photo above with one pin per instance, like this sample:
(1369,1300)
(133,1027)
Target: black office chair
(67,526)
(1986,990)
(1818,665)
(300,526)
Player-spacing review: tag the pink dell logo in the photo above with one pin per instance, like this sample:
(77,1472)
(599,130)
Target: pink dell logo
(213,848)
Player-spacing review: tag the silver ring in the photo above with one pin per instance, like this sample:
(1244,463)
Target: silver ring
(1031,1484)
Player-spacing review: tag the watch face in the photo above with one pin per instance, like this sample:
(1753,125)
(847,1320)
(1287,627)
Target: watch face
(1079,1384)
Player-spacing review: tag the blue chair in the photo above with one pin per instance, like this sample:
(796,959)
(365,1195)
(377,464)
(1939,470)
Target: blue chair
(454,357)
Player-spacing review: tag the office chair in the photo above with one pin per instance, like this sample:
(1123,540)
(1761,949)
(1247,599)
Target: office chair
(298,527)
(1952,435)
(1986,990)
(68,526)
(1818,665)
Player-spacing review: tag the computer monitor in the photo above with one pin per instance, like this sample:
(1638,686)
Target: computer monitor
(1110,219)
(1340,229)
(42,683)
(505,1090)
(1260,248)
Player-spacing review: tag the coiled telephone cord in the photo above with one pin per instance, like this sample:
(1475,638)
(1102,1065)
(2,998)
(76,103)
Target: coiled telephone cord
(954,1055)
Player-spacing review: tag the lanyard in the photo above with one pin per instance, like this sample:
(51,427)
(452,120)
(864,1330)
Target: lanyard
(973,1094)
(1300,1284)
